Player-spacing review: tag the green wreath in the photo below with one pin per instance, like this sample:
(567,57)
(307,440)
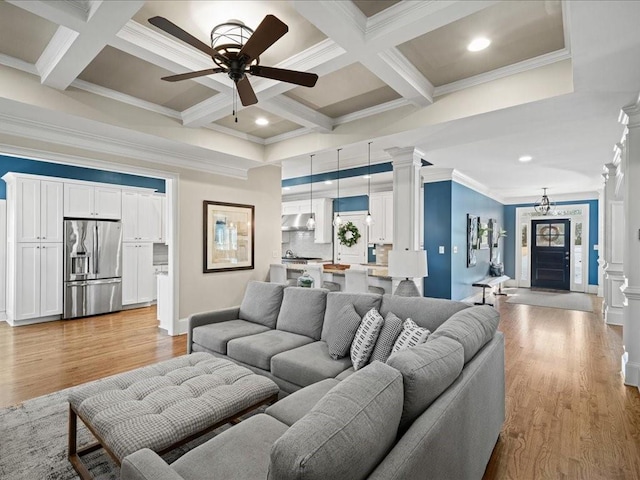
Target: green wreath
(348,234)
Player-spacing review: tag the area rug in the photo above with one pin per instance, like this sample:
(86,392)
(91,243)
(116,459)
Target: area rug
(551,299)
(33,442)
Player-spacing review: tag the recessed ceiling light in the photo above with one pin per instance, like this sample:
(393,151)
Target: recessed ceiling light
(262,121)
(328,182)
(525,158)
(478,44)
(286,188)
(366,176)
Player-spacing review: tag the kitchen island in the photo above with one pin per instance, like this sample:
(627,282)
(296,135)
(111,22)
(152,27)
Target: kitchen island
(378,276)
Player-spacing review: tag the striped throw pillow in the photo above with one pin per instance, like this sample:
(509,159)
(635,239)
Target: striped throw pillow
(365,339)
(410,336)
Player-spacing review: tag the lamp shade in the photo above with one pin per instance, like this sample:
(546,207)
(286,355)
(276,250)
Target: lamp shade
(408,263)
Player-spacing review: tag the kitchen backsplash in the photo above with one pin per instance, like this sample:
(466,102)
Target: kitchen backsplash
(382,254)
(302,245)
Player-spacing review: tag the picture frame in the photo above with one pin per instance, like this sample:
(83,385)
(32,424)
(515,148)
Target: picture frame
(472,240)
(483,235)
(228,236)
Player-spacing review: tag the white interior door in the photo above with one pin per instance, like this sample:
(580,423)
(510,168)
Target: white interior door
(357,253)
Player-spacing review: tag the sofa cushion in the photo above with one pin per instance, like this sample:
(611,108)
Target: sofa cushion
(365,338)
(295,406)
(410,336)
(241,452)
(427,371)
(302,311)
(215,336)
(472,327)
(347,433)
(257,350)
(426,312)
(261,303)
(362,302)
(386,340)
(340,338)
(345,374)
(308,364)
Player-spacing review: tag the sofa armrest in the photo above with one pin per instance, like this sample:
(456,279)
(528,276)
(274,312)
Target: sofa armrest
(145,464)
(205,318)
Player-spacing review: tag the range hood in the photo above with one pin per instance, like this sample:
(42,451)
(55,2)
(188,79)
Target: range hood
(297,221)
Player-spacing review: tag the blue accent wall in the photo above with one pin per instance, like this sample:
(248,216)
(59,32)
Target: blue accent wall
(37,167)
(510,227)
(437,231)
(351,204)
(464,201)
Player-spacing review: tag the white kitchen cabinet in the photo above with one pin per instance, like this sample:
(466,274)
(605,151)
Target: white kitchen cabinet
(87,201)
(382,212)
(137,273)
(38,274)
(292,208)
(37,208)
(141,217)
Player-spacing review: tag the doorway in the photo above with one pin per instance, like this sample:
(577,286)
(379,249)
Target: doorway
(357,253)
(551,254)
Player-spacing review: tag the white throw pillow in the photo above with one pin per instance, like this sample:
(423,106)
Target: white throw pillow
(410,336)
(365,339)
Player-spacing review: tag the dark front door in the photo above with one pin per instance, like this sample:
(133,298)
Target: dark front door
(550,253)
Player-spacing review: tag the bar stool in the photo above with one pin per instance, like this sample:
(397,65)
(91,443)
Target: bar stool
(315,270)
(356,280)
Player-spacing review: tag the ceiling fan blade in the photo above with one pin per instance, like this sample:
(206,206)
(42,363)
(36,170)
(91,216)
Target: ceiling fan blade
(246,93)
(174,30)
(186,76)
(290,76)
(267,33)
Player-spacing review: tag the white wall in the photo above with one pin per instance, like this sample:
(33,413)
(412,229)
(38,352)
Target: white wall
(207,291)
(3,258)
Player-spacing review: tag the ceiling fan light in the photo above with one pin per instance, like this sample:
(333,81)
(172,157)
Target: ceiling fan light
(478,44)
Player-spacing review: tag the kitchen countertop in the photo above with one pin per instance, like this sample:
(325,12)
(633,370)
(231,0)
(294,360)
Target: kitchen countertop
(373,272)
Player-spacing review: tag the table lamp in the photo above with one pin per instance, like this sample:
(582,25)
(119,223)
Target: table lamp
(408,264)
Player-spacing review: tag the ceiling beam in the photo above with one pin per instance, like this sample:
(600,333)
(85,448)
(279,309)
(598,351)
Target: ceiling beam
(288,108)
(72,48)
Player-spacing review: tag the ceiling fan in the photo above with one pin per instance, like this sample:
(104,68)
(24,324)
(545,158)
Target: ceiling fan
(239,58)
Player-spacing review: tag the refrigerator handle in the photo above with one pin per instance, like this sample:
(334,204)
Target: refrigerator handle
(96,247)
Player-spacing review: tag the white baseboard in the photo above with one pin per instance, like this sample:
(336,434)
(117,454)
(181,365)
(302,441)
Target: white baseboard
(138,305)
(3,316)
(182,326)
(630,372)
(31,321)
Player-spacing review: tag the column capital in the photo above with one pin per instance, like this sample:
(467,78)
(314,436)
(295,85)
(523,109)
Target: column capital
(404,156)
(630,115)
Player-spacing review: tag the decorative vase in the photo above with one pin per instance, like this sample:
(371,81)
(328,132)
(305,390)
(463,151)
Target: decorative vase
(305,280)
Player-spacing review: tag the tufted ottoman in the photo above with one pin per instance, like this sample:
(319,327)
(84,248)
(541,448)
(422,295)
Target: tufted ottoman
(164,405)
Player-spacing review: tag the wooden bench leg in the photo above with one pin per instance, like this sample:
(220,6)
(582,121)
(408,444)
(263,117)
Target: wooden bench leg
(74,455)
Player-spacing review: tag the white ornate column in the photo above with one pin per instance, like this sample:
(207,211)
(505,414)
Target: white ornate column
(631,261)
(613,243)
(406,198)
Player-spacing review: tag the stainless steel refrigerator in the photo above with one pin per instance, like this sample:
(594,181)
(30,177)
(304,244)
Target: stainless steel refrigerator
(92,267)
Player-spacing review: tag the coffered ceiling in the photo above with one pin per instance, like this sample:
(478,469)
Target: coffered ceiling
(395,72)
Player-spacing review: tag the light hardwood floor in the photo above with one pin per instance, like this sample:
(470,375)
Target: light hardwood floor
(569,416)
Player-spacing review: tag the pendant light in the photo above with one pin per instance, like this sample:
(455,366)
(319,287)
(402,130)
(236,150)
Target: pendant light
(544,206)
(311,223)
(369,219)
(337,221)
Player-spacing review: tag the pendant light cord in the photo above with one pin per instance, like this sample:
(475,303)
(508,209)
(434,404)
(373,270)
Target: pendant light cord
(369,180)
(311,186)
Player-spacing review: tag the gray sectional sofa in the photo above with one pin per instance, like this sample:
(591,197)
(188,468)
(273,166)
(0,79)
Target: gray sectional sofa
(433,411)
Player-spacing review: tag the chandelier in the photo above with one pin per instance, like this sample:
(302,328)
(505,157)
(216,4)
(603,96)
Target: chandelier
(544,206)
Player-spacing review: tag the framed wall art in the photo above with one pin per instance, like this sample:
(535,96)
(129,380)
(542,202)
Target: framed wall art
(228,236)
(472,239)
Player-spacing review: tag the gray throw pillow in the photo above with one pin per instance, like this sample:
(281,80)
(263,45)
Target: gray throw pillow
(302,311)
(472,327)
(427,371)
(365,338)
(340,337)
(347,433)
(261,303)
(387,338)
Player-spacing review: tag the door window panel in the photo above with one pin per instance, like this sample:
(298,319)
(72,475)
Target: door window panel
(524,266)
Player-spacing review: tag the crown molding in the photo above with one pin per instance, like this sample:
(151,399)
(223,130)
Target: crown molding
(630,114)
(348,10)
(520,67)
(369,112)
(124,98)
(296,112)
(555,198)
(151,150)
(322,52)
(399,63)
(192,116)
(286,136)
(18,64)
(431,175)
(55,50)
(234,133)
